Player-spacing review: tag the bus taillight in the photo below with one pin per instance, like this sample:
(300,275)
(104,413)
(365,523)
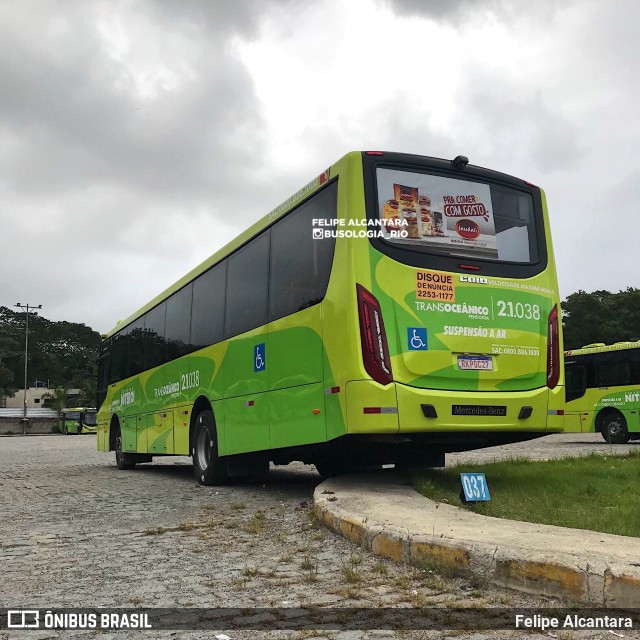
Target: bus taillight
(375,350)
(553,350)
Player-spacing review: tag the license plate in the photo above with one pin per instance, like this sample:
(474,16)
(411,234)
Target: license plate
(478,410)
(475,363)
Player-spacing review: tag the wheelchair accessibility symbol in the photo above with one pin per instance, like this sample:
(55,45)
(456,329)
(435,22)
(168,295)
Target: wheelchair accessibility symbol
(259,358)
(417,339)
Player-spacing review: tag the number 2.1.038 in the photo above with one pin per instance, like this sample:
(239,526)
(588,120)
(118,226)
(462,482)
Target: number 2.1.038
(508,309)
(189,380)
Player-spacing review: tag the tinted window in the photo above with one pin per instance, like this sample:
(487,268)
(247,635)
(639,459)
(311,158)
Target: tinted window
(207,318)
(103,370)
(154,349)
(247,282)
(515,226)
(300,264)
(614,369)
(118,368)
(178,323)
(136,347)
(634,357)
(575,380)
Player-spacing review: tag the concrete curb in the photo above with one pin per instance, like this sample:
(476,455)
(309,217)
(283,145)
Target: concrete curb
(384,514)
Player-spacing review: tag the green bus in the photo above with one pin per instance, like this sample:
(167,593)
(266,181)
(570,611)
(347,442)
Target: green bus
(78,420)
(603,390)
(396,308)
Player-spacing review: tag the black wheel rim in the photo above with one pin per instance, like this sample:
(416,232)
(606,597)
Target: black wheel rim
(615,429)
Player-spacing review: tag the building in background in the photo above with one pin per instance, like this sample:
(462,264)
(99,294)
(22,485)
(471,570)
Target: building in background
(38,397)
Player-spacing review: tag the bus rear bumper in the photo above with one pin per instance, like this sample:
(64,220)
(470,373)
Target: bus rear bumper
(430,410)
(399,408)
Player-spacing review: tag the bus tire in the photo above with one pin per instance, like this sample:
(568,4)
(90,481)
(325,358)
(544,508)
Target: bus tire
(208,468)
(614,428)
(124,461)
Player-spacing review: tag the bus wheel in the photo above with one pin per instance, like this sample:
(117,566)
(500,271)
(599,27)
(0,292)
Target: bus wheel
(614,428)
(208,468)
(123,460)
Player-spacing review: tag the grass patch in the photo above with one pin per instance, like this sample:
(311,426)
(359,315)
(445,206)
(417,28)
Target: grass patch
(258,523)
(157,531)
(595,492)
(351,570)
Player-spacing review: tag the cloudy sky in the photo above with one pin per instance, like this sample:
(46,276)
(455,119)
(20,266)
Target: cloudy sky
(138,137)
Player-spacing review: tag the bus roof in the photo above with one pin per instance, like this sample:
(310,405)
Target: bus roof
(603,348)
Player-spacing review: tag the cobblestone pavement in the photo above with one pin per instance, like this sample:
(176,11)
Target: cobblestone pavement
(78,532)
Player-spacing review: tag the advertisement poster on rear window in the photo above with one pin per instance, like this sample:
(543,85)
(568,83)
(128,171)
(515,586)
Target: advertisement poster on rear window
(439,214)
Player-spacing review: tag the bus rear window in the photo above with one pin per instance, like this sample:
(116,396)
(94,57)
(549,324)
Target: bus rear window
(448,216)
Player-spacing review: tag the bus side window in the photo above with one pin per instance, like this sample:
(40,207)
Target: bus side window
(634,358)
(576,381)
(154,342)
(136,347)
(104,362)
(247,273)
(178,323)
(613,370)
(119,355)
(300,263)
(207,317)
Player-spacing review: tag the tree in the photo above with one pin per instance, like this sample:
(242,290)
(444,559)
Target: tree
(9,349)
(63,353)
(601,316)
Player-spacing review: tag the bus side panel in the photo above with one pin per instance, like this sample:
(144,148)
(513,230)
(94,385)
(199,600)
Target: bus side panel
(623,399)
(243,381)
(142,424)
(129,431)
(181,423)
(297,416)
(103,436)
(160,432)
(575,422)
(246,423)
(294,364)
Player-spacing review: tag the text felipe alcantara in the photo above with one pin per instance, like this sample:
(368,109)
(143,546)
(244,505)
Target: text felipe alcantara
(357,228)
(572,621)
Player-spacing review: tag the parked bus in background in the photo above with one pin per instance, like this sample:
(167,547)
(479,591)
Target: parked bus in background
(77,420)
(603,390)
(396,308)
